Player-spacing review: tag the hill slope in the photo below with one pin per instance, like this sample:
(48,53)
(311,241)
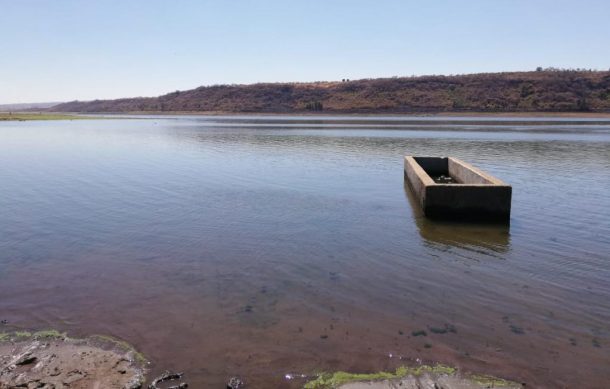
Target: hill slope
(555,91)
(26,106)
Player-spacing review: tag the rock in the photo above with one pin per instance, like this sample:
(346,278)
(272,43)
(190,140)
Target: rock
(26,362)
(167,376)
(183,385)
(25,359)
(235,383)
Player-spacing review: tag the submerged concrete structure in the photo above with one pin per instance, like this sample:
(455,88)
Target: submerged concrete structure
(447,188)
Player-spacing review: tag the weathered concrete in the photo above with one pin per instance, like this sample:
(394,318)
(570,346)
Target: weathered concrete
(476,195)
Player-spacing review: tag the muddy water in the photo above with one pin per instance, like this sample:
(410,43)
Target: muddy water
(262,247)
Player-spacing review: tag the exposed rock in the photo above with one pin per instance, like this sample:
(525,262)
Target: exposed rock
(167,376)
(235,383)
(45,360)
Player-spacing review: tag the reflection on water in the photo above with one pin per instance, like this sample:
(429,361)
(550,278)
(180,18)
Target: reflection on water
(224,246)
(485,236)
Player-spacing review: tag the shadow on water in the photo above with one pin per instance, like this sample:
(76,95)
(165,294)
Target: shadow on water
(488,236)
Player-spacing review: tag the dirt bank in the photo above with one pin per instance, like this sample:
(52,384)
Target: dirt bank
(49,360)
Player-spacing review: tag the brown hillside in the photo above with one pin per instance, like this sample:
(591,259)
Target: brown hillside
(549,90)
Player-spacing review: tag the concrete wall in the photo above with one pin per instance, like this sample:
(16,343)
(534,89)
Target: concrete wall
(477,196)
(434,166)
(417,179)
(468,202)
(465,173)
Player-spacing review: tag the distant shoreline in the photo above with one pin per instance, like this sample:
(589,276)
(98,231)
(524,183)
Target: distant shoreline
(35,116)
(354,114)
(48,115)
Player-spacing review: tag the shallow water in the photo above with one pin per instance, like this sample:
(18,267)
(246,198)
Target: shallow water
(266,246)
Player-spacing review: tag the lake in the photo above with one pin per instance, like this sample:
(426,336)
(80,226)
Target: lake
(270,246)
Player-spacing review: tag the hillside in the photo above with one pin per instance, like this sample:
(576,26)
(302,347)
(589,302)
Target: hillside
(25,106)
(548,90)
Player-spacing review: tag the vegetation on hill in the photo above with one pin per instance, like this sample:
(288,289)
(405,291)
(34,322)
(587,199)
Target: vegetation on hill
(549,90)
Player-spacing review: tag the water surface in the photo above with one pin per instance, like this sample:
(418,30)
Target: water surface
(265,246)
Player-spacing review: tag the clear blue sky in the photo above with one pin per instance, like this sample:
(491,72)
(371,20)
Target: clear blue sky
(57,50)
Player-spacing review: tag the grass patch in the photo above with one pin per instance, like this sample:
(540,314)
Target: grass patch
(419,333)
(21,334)
(49,334)
(490,381)
(332,380)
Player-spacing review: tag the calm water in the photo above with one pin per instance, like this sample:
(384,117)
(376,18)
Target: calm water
(262,247)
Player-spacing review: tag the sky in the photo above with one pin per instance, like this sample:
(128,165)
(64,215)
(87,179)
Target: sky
(63,50)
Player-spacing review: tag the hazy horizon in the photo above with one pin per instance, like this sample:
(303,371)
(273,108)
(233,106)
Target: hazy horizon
(67,50)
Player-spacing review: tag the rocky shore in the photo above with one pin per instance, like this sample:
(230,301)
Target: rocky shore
(49,360)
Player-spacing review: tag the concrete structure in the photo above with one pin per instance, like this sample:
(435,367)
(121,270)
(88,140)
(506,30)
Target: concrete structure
(447,188)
